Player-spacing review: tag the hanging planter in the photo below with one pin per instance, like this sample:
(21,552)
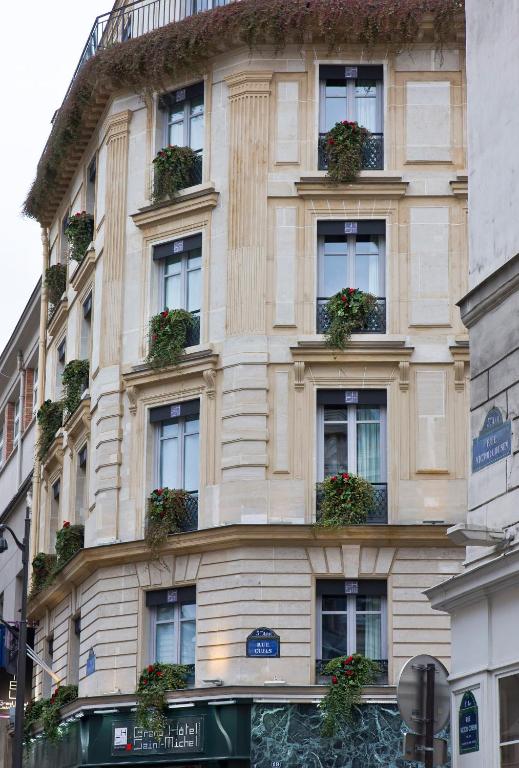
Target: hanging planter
(80,233)
(343,145)
(43,566)
(167,513)
(153,683)
(75,381)
(348,311)
(69,540)
(174,169)
(47,711)
(50,419)
(168,337)
(349,675)
(346,500)
(56,283)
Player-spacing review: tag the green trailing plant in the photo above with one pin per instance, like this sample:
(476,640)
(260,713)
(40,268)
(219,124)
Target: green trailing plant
(167,513)
(69,540)
(47,711)
(185,47)
(343,146)
(153,683)
(75,381)
(43,566)
(56,282)
(347,311)
(173,171)
(50,419)
(349,675)
(79,232)
(346,500)
(168,337)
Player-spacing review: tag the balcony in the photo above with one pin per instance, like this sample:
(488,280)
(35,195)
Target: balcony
(372,153)
(193,334)
(376,516)
(375,323)
(322,679)
(190,522)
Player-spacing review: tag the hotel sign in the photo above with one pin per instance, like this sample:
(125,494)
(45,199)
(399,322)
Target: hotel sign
(493,443)
(181,735)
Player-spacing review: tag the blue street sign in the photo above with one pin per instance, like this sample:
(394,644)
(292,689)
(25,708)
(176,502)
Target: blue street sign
(468,724)
(493,443)
(263,642)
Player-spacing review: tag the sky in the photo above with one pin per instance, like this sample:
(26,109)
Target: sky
(41,45)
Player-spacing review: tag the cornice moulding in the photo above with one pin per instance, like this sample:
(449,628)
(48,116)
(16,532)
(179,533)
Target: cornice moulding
(84,271)
(58,319)
(89,560)
(379,185)
(202,197)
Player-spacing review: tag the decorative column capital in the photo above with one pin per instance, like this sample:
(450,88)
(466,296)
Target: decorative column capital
(117,125)
(249,84)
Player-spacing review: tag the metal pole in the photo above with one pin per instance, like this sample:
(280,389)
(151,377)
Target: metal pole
(429,716)
(22,648)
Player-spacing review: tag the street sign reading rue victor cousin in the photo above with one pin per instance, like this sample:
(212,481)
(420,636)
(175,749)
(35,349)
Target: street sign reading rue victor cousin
(468,724)
(263,642)
(493,443)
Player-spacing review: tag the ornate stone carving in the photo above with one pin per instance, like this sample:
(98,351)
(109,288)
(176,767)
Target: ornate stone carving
(404,375)
(299,374)
(210,382)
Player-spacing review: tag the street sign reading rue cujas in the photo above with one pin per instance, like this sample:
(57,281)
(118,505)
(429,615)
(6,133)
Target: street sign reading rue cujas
(263,642)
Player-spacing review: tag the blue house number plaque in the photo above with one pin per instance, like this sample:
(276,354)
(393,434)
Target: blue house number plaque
(263,642)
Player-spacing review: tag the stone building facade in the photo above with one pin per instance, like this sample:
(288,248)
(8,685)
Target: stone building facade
(18,405)
(260,409)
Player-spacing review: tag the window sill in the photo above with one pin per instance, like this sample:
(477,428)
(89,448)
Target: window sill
(368,184)
(84,271)
(78,422)
(58,319)
(54,457)
(371,346)
(201,197)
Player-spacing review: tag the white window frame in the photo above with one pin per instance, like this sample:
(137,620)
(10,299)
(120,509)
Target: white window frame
(181,420)
(351,256)
(184,271)
(85,331)
(350,100)
(79,466)
(177,620)
(351,628)
(500,744)
(352,439)
(186,133)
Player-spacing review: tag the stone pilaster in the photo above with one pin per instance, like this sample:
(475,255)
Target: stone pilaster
(249,95)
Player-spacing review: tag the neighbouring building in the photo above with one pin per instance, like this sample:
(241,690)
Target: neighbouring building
(18,401)
(259,409)
(484,600)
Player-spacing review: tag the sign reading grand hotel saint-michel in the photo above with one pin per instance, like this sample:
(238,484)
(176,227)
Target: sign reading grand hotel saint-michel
(181,735)
(493,443)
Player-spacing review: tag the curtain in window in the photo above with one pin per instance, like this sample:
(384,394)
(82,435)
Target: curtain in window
(366,104)
(369,627)
(368,444)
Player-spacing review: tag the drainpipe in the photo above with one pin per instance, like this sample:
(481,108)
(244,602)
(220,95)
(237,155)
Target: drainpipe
(21,369)
(42,360)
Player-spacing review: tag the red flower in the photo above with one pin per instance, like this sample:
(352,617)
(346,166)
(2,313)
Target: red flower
(349,672)
(331,141)
(343,298)
(334,479)
(160,491)
(165,313)
(159,674)
(334,680)
(349,660)
(66,524)
(351,290)
(347,477)
(150,668)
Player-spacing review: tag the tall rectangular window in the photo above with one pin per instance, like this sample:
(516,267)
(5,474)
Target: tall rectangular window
(73,651)
(509,720)
(185,117)
(178,448)
(354,93)
(91,186)
(64,244)
(61,352)
(173,613)
(180,263)
(352,618)
(81,485)
(47,682)
(54,511)
(86,328)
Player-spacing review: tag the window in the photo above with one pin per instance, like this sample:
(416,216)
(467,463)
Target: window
(49,656)
(16,420)
(35,391)
(178,428)
(185,117)
(91,186)
(351,255)
(509,720)
(352,618)
(351,428)
(61,351)
(81,485)
(1,445)
(356,94)
(181,276)
(173,625)
(86,328)
(64,240)
(73,652)
(54,511)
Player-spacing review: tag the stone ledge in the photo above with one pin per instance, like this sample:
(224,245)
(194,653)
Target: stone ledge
(84,270)
(57,320)
(191,200)
(368,184)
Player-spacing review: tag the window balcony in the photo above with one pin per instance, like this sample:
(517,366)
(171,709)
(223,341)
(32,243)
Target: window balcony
(193,334)
(190,522)
(372,153)
(322,679)
(376,322)
(377,515)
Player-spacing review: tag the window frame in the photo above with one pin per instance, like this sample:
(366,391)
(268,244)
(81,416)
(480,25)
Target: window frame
(500,743)
(350,83)
(85,339)
(351,630)
(352,439)
(181,420)
(184,270)
(81,464)
(177,621)
(351,240)
(35,385)
(186,119)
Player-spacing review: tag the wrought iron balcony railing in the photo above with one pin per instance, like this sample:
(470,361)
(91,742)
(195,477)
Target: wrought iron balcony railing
(372,153)
(375,323)
(193,334)
(322,679)
(190,522)
(376,516)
